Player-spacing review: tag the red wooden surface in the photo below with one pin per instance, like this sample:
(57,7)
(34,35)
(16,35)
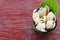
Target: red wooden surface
(16,21)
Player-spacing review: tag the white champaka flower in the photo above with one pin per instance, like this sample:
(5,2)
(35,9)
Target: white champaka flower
(44,18)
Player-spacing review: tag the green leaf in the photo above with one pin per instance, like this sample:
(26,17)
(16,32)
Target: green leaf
(53,5)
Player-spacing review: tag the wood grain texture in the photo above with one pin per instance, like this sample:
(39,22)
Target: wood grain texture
(16,21)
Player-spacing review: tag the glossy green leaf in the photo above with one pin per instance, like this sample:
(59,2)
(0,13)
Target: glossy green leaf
(53,5)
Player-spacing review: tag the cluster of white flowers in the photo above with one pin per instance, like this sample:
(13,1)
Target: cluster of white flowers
(44,19)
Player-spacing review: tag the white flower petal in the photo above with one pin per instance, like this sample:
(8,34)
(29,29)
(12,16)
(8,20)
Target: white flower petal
(50,24)
(41,27)
(34,11)
(42,12)
(36,17)
(44,17)
(50,16)
(47,8)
